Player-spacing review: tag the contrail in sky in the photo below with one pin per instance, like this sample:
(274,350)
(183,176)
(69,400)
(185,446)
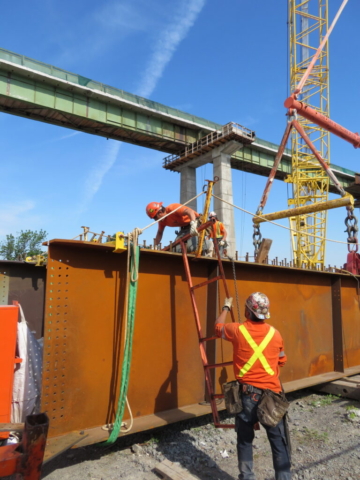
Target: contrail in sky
(167,44)
(164,49)
(95,177)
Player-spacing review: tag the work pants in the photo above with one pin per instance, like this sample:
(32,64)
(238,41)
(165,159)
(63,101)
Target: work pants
(222,248)
(192,243)
(245,422)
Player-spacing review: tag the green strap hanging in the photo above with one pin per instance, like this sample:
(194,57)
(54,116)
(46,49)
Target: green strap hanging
(125,371)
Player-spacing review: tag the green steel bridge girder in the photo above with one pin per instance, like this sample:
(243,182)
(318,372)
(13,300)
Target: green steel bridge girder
(38,91)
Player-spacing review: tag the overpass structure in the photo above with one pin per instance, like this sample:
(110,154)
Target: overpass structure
(35,90)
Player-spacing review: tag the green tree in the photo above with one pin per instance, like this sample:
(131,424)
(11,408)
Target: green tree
(25,244)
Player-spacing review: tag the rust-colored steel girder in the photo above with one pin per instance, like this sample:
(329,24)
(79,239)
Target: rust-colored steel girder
(24,283)
(317,313)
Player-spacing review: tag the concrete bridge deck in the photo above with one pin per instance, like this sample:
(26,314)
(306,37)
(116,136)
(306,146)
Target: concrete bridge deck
(38,91)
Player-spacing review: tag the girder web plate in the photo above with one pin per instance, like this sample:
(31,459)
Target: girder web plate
(84,329)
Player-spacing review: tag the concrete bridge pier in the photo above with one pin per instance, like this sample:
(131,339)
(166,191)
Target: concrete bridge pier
(188,186)
(221,158)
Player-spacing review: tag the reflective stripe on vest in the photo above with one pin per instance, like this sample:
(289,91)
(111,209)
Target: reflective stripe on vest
(216,231)
(258,349)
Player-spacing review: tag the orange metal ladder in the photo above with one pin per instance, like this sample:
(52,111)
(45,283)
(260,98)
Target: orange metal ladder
(207,366)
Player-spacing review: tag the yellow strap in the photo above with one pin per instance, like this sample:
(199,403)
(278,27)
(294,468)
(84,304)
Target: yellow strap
(258,349)
(218,233)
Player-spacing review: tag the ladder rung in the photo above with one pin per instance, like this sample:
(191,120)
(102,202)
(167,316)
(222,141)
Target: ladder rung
(215,365)
(206,283)
(206,339)
(217,395)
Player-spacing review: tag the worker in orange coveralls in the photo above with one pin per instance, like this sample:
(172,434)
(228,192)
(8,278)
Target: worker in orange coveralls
(258,352)
(184,217)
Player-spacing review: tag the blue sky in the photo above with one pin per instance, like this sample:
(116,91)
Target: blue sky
(224,61)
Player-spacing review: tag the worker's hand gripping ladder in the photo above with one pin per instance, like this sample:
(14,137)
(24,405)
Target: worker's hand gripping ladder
(207,367)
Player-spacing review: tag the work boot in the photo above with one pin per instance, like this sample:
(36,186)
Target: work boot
(246,469)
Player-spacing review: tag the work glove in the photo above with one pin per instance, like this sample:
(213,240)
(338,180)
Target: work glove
(222,243)
(193,230)
(227,303)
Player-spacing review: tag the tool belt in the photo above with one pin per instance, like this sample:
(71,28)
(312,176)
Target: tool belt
(248,389)
(272,407)
(232,395)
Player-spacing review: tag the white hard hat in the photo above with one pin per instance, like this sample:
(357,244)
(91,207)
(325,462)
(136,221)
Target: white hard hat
(259,304)
(212,214)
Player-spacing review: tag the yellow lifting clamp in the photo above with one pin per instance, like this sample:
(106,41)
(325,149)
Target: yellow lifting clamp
(120,242)
(37,260)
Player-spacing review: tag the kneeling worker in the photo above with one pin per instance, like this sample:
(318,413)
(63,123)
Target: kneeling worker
(185,217)
(258,352)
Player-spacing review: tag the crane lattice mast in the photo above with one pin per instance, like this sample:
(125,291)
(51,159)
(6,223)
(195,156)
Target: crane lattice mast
(308,24)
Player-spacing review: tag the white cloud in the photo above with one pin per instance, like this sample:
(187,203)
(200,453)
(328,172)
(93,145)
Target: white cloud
(167,44)
(97,174)
(34,146)
(144,160)
(126,16)
(15,217)
(164,49)
(66,136)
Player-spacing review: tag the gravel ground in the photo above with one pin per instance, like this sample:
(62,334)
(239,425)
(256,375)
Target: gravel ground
(325,442)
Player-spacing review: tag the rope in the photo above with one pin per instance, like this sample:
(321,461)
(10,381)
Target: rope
(133,266)
(162,218)
(278,224)
(132,244)
(126,430)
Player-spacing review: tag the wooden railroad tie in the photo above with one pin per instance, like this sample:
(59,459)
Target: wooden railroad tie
(171,471)
(348,387)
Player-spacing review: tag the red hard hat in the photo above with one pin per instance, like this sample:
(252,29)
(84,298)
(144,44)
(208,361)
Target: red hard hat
(259,304)
(153,208)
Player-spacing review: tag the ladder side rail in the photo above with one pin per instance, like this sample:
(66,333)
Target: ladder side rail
(208,381)
(222,275)
(192,294)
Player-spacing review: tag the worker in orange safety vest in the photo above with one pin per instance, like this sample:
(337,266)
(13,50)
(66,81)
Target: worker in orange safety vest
(184,217)
(258,352)
(217,234)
